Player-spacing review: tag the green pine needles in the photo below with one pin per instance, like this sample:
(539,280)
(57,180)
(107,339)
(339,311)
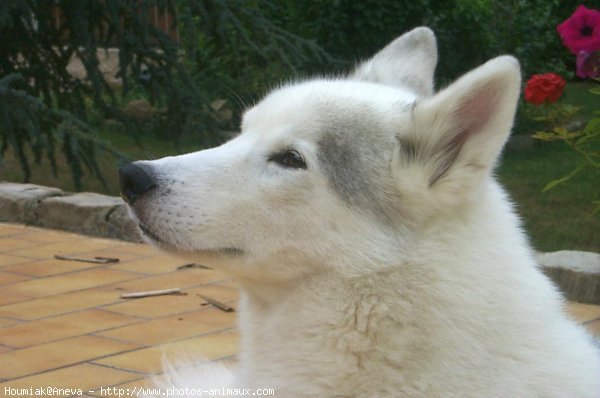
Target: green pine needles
(221,48)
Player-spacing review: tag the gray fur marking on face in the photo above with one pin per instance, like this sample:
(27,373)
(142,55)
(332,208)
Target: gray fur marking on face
(350,155)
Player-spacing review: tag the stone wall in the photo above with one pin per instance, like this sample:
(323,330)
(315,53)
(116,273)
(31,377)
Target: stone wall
(87,213)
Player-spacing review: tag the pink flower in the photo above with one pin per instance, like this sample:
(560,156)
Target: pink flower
(581,31)
(588,64)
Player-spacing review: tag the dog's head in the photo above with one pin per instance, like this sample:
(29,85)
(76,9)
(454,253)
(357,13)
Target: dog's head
(333,173)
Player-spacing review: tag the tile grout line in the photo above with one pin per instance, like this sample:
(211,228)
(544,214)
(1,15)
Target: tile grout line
(89,360)
(176,340)
(119,340)
(11,318)
(92,267)
(16,274)
(591,321)
(218,331)
(77,335)
(150,346)
(43,318)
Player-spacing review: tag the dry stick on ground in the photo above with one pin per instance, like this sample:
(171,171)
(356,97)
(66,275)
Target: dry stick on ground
(218,304)
(96,260)
(193,265)
(151,293)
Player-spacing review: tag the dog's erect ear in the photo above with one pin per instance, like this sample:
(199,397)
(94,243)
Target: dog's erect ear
(409,61)
(460,131)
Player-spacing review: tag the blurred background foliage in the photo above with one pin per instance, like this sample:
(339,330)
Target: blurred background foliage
(207,50)
(469,32)
(207,60)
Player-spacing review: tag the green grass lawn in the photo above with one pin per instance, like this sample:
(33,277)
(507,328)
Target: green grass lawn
(561,217)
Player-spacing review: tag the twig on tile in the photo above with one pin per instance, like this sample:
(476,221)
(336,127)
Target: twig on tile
(193,265)
(96,260)
(218,304)
(176,291)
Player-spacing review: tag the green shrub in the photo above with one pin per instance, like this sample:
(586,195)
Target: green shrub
(469,32)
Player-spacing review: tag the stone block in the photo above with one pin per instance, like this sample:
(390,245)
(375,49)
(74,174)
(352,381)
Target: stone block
(87,213)
(576,273)
(121,226)
(18,202)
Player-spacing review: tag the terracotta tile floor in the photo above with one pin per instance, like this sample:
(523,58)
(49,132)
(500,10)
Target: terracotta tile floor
(62,323)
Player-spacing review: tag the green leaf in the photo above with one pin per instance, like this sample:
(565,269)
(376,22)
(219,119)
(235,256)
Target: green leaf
(554,183)
(561,131)
(565,178)
(544,136)
(592,127)
(569,110)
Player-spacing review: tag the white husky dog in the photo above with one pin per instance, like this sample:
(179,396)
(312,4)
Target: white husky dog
(375,253)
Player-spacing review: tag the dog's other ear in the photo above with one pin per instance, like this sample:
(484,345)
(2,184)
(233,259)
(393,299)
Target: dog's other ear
(409,61)
(459,132)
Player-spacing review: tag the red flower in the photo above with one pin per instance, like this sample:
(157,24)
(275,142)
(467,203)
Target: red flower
(581,31)
(544,88)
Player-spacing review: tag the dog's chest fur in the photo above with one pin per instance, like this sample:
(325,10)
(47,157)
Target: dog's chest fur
(325,334)
(396,333)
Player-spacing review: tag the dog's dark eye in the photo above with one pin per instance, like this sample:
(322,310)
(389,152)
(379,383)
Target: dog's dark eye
(290,159)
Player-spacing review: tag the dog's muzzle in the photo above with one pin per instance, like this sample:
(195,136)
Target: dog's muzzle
(135,181)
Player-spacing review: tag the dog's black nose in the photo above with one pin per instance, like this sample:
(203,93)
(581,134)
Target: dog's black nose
(135,181)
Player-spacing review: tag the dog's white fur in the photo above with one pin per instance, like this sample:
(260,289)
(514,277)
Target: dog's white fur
(393,265)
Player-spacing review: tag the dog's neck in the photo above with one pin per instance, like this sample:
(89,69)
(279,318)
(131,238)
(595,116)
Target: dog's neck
(344,323)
